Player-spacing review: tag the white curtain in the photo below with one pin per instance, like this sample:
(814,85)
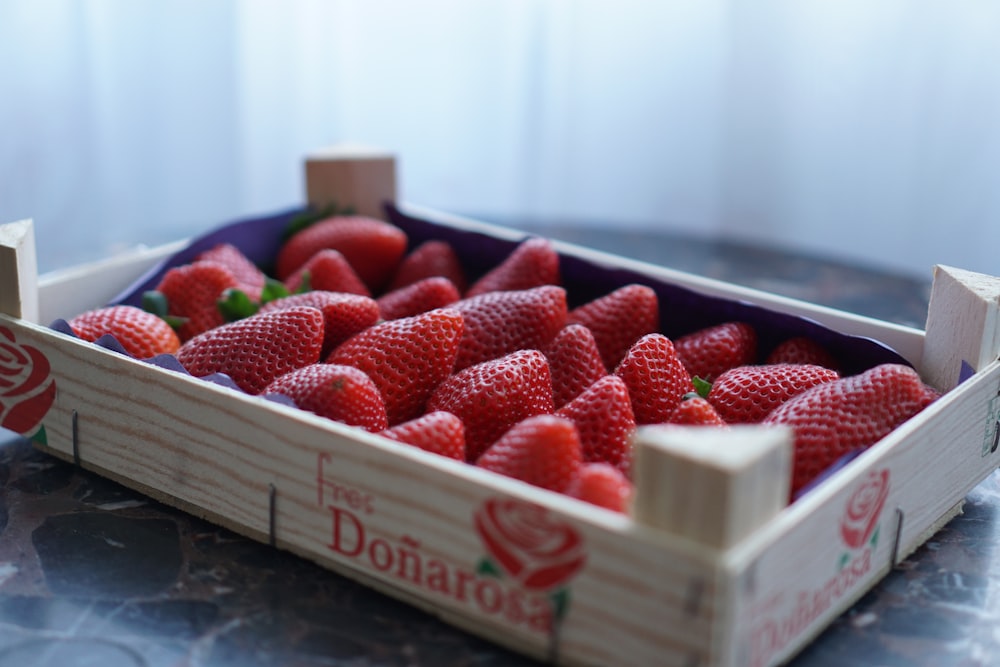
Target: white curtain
(868,130)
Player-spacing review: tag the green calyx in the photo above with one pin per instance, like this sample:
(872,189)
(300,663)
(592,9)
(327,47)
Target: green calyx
(311,216)
(236,305)
(156,303)
(701,386)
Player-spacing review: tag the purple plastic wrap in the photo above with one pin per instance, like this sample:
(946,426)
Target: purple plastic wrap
(682,310)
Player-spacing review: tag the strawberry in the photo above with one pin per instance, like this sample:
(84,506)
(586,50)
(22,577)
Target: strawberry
(693,410)
(256,350)
(533,263)
(618,319)
(344,314)
(406,358)
(708,352)
(192,292)
(492,396)
(142,334)
(543,450)
(438,432)
(602,485)
(746,394)
(429,259)
(801,350)
(341,393)
(251,278)
(574,361)
(655,378)
(418,297)
(498,323)
(329,271)
(836,418)
(603,417)
(372,247)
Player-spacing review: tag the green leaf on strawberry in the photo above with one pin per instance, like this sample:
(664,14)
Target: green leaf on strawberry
(701,387)
(273,290)
(236,305)
(308,218)
(156,302)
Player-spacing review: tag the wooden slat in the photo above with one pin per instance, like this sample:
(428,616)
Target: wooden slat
(803,569)
(18,271)
(640,597)
(67,292)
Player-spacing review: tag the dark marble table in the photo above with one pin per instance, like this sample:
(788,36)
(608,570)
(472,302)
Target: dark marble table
(92,573)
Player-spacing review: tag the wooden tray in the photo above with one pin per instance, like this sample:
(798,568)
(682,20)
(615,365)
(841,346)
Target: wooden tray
(711,567)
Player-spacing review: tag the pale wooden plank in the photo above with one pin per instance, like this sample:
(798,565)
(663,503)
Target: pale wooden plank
(218,454)
(963,325)
(67,292)
(18,270)
(351,175)
(711,485)
(800,571)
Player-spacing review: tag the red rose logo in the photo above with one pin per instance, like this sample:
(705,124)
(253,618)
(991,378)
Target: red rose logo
(864,508)
(533,549)
(26,389)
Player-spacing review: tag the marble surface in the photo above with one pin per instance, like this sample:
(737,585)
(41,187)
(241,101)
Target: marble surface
(92,573)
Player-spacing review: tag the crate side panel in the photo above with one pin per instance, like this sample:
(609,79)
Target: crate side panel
(422,527)
(806,567)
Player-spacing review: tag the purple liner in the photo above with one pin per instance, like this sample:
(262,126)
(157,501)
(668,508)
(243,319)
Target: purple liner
(682,310)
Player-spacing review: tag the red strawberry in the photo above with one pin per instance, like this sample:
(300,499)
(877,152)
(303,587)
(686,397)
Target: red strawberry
(603,417)
(142,334)
(747,394)
(437,432)
(802,350)
(192,292)
(418,297)
(655,378)
(574,361)
(341,393)
(329,271)
(406,358)
(429,259)
(533,263)
(543,450)
(498,323)
(602,485)
(836,418)
(251,278)
(693,410)
(709,352)
(492,396)
(343,314)
(619,319)
(372,247)
(256,350)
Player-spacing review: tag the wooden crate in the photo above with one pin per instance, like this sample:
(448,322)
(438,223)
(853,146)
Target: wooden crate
(711,567)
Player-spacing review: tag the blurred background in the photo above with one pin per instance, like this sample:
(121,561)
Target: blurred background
(859,130)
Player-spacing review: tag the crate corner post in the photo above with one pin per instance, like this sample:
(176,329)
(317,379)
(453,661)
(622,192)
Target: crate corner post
(963,325)
(18,271)
(685,487)
(351,176)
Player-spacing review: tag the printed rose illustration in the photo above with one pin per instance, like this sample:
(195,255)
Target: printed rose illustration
(864,508)
(26,388)
(528,545)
